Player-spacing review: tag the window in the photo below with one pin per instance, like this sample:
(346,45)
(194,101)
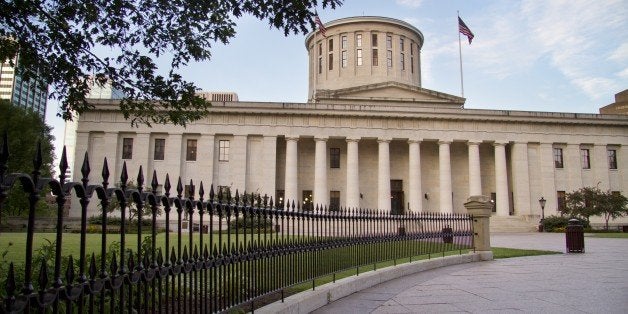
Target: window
(388,42)
(191,151)
(558,157)
(584,159)
(344,59)
(374,40)
(331,61)
(411,64)
(334,200)
(127,148)
(375,57)
(307,200)
(389,58)
(560,197)
(403,64)
(160,145)
(358,40)
(331,45)
(279,198)
(401,42)
(320,65)
(334,157)
(186,191)
(223,150)
(359,57)
(320,49)
(612,159)
(493,200)
(343,42)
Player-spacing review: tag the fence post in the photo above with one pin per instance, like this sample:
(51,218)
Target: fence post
(480,207)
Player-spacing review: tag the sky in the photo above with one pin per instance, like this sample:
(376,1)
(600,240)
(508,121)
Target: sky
(530,55)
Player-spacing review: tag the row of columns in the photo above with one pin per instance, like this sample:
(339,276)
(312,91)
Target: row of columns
(321,191)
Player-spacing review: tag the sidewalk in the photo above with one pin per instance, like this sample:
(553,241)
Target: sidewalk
(593,282)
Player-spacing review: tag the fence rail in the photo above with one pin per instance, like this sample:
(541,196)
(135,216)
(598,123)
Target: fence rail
(245,251)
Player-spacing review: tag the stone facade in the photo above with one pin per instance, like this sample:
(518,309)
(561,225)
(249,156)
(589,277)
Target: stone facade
(389,144)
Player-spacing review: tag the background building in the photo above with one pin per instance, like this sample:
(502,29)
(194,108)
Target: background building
(620,106)
(372,137)
(31,94)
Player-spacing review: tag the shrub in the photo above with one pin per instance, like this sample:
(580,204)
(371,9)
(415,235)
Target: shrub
(559,223)
(259,225)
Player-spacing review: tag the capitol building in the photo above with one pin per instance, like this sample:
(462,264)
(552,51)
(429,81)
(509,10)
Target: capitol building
(370,136)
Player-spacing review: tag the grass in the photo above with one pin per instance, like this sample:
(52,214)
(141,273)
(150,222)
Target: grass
(502,252)
(619,235)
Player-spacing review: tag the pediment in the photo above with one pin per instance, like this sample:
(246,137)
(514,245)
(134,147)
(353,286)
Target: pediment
(390,92)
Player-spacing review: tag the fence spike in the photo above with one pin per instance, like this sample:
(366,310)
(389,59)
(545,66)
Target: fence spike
(271,203)
(131,262)
(179,188)
(124,176)
(85,167)
(105,172)
(167,185)
(43,276)
(211,193)
(10,284)
(205,252)
(185,253)
(201,191)
(195,254)
(173,257)
(191,189)
(63,166)
(215,251)
(140,178)
(38,160)
(69,272)
(114,264)
(154,183)
(93,270)
(237,197)
(160,257)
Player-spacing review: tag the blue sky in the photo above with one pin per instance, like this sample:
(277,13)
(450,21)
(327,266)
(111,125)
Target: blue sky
(562,56)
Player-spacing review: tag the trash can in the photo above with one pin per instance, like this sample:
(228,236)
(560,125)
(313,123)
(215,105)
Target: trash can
(574,236)
(448,235)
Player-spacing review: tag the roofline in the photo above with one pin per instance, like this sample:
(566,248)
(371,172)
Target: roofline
(360,19)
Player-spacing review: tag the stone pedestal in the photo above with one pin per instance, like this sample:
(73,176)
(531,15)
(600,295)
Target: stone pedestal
(480,207)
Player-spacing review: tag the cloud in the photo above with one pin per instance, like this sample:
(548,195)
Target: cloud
(571,37)
(623,73)
(410,3)
(620,54)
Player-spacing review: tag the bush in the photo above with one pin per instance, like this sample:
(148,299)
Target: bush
(559,223)
(261,225)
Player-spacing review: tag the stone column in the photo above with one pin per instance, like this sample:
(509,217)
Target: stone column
(501,180)
(383,175)
(548,182)
(599,164)
(444,170)
(475,177)
(321,191)
(480,207)
(521,177)
(353,174)
(291,170)
(573,164)
(414,184)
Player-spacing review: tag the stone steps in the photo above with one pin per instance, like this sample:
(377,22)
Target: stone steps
(512,224)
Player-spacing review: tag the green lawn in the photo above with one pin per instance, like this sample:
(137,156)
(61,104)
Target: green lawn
(502,252)
(620,235)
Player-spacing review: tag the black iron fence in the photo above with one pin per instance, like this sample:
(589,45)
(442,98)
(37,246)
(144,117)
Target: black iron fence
(237,251)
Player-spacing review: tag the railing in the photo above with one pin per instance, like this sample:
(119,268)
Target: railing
(246,250)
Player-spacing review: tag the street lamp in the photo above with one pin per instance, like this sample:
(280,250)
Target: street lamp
(542,201)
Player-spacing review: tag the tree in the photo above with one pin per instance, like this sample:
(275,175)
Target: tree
(24,129)
(582,203)
(591,201)
(63,41)
(614,206)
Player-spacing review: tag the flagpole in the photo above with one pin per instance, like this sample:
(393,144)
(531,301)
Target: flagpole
(460,54)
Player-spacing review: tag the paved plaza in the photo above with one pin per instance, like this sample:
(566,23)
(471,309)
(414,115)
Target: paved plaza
(593,282)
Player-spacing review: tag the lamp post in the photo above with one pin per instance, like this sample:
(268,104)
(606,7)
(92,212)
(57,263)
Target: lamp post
(542,201)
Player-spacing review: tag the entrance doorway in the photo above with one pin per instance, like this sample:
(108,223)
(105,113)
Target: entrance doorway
(396,197)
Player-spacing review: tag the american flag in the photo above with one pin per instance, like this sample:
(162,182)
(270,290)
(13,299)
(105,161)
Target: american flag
(464,29)
(320,25)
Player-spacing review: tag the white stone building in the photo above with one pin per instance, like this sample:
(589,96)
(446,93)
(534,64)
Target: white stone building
(371,137)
